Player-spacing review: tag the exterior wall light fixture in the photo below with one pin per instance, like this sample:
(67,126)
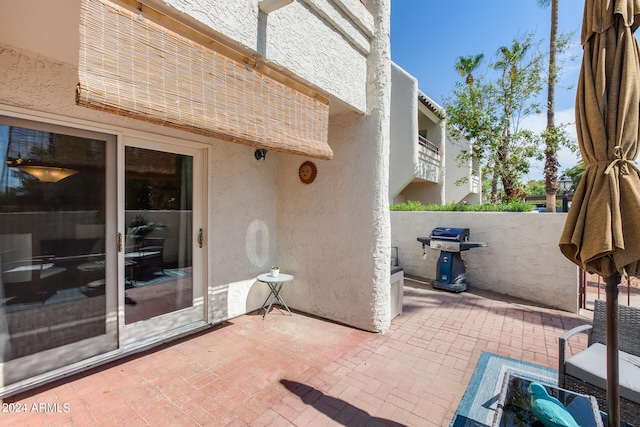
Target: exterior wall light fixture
(260,153)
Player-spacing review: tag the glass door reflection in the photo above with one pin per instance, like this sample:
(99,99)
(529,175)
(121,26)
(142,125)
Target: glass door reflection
(58,294)
(158,246)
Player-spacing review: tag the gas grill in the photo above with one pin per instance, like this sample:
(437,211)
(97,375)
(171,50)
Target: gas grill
(451,269)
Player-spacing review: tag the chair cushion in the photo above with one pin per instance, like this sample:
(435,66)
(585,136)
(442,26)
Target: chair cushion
(141,255)
(590,366)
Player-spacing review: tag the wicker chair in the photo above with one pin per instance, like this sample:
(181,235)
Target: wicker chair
(585,372)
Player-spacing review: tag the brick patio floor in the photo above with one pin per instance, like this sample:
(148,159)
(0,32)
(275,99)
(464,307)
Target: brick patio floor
(304,371)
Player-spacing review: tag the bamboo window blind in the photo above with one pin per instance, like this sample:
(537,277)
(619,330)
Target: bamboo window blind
(134,67)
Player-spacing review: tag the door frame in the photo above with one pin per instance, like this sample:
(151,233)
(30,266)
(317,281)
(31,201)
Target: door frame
(45,364)
(167,325)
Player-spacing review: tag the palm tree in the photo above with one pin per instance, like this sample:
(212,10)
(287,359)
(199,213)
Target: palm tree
(551,151)
(465,65)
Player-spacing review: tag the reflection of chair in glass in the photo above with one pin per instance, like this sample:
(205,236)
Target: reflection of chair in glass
(149,254)
(93,270)
(25,277)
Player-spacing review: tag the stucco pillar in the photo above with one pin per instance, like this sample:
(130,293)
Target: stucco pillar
(379,112)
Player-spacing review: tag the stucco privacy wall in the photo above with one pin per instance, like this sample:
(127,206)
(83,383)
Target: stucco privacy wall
(334,61)
(522,258)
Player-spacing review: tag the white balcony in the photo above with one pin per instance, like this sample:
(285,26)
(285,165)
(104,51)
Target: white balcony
(429,160)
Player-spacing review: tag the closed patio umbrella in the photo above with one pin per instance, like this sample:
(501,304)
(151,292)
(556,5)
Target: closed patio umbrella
(602,230)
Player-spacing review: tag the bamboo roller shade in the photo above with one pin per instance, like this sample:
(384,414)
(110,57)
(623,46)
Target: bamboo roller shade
(133,67)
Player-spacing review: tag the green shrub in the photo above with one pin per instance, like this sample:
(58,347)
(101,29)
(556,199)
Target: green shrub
(412,205)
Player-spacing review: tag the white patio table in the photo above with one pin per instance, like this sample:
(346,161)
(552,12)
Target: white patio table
(275,284)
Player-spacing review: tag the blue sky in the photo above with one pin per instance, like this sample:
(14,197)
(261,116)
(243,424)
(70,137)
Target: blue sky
(427,36)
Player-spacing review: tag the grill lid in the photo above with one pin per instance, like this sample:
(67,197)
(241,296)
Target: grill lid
(453,234)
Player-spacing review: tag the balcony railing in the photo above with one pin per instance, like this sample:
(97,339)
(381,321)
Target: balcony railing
(429,161)
(475,184)
(428,144)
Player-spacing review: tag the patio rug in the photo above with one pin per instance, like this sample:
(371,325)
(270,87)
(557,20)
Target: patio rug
(479,403)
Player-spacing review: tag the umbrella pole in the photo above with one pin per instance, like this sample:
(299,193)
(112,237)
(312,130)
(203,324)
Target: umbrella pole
(613,381)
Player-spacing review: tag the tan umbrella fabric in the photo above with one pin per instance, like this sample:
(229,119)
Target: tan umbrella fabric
(602,231)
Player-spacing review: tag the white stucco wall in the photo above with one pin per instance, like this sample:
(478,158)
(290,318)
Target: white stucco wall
(253,203)
(437,134)
(522,259)
(255,218)
(324,42)
(403,156)
(417,173)
(243,235)
(334,234)
(245,204)
(457,171)
(424,192)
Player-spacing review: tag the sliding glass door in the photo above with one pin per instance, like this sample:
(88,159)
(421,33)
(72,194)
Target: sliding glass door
(101,245)
(162,281)
(58,290)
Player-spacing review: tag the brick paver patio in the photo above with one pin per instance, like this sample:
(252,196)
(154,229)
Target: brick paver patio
(304,371)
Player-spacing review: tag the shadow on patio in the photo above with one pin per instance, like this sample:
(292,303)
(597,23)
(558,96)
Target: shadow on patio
(305,371)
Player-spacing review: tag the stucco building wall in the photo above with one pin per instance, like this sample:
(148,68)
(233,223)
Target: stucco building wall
(244,193)
(522,259)
(404,130)
(425,192)
(323,42)
(460,178)
(334,234)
